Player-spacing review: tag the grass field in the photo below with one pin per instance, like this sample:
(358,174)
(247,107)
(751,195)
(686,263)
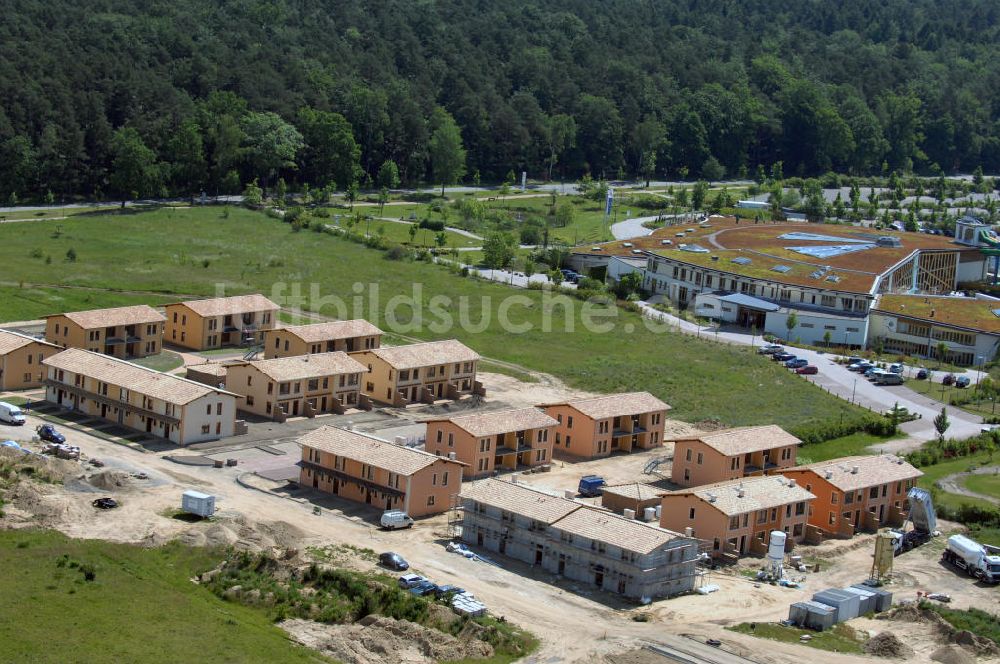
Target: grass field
(141,606)
(839,639)
(987,485)
(933,473)
(164,361)
(400,233)
(33,301)
(945,394)
(856,443)
(200,251)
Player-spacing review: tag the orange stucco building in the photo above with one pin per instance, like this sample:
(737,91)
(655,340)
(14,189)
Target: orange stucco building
(122,332)
(493,441)
(420,373)
(597,427)
(220,321)
(21,360)
(731,454)
(376,472)
(338,335)
(859,492)
(737,516)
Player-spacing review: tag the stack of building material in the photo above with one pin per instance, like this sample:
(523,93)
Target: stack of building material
(467,605)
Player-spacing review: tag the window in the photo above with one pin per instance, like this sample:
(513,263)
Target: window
(205,428)
(444,480)
(800,508)
(567,441)
(451,440)
(762,516)
(208,409)
(700,458)
(873,492)
(833,518)
(313,384)
(687,455)
(249,400)
(691,513)
(434,479)
(569,421)
(440,435)
(218,408)
(734,523)
(430,501)
(687,473)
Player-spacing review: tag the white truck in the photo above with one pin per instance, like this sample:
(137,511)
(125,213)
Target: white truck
(971,556)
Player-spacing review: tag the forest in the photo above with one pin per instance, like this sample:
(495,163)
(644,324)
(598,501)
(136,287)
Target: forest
(159,97)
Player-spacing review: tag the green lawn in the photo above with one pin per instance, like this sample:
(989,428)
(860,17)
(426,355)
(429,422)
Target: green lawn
(839,639)
(945,394)
(140,607)
(987,485)
(32,301)
(400,233)
(933,473)
(164,361)
(199,251)
(856,443)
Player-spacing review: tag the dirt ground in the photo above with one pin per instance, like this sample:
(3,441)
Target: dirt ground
(575,624)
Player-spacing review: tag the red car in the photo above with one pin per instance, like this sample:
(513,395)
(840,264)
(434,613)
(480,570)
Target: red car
(808,369)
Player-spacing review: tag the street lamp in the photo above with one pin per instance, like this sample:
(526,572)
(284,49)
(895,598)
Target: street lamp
(854,389)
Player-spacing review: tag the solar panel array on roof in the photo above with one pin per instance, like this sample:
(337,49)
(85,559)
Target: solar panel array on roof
(693,248)
(742,260)
(831,250)
(781,268)
(816,237)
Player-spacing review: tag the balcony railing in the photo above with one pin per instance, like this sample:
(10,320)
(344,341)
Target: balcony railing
(105,400)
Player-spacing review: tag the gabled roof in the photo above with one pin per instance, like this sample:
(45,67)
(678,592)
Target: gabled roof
(11,341)
(500,421)
(758,493)
(744,440)
(93,318)
(425,354)
(634,491)
(397,459)
(300,367)
(568,515)
(225,306)
(335,329)
(860,472)
(615,405)
(167,387)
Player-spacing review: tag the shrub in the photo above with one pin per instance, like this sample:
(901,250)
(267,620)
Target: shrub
(71,255)
(395,253)
(432,224)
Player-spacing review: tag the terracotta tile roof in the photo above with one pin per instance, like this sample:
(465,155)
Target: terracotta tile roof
(633,491)
(167,387)
(337,329)
(225,306)
(210,368)
(11,341)
(860,472)
(93,318)
(299,367)
(426,354)
(501,421)
(519,499)
(744,440)
(615,405)
(568,515)
(758,493)
(397,459)
(964,312)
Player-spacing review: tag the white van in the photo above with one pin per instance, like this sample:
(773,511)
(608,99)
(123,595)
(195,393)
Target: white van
(11,414)
(393,519)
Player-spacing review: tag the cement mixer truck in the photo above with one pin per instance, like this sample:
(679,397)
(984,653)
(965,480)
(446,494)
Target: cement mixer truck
(972,557)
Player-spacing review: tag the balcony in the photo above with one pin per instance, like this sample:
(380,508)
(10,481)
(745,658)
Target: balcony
(618,433)
(107,401)
(341,475)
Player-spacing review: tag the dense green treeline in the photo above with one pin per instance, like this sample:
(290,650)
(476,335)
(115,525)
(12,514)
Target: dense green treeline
(114,97)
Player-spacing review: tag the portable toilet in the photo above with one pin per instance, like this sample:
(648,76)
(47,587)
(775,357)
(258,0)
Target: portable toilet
(883,597)
(866,599)
(196,502)
(812,615)
(845,604)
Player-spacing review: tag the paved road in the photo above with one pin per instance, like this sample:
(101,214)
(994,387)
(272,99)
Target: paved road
(850,386)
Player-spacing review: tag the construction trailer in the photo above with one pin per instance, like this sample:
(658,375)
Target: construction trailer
(846,605)
(883,597)
(812,615)
(867,600)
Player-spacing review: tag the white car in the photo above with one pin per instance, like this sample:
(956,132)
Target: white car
(393,519)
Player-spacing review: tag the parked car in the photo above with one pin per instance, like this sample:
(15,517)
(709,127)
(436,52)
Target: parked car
(886,378)
(922,374)
(807,370)
(797,362)
(962,381)
(896,368)
(783,357)
(105,503)
(859,366)
(393,519)
(409,580)
(48,432)
(948,379)
(11,414)
(448,589)
(393,561)
(770,349)
(867,373)
(425,587)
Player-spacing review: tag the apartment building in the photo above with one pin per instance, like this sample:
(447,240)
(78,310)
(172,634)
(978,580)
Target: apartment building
(580,542)
(21,358)
(733,453)
(122,332)
(306,385)
(856,493)
(329,337)
(223,321)
(161,404)
(600,426)
(378,473)
(738,516)
(492,441)
(420,373)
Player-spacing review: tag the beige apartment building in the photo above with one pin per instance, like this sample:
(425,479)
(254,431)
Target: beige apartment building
(122,332)
(493,441)
(738,516)
(733,453)
(306,385)
(378,473)
(342,335)
(601,426)
(223,321)
(420,373)
(21,358)
(161,404)
(857,493)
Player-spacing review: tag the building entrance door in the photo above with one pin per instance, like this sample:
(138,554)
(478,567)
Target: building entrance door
(538,555)
(599,579)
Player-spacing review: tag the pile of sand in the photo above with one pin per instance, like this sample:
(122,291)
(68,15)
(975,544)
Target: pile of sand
(953,655)
(381,640)
(110,480)
(887,644)
(946,632)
